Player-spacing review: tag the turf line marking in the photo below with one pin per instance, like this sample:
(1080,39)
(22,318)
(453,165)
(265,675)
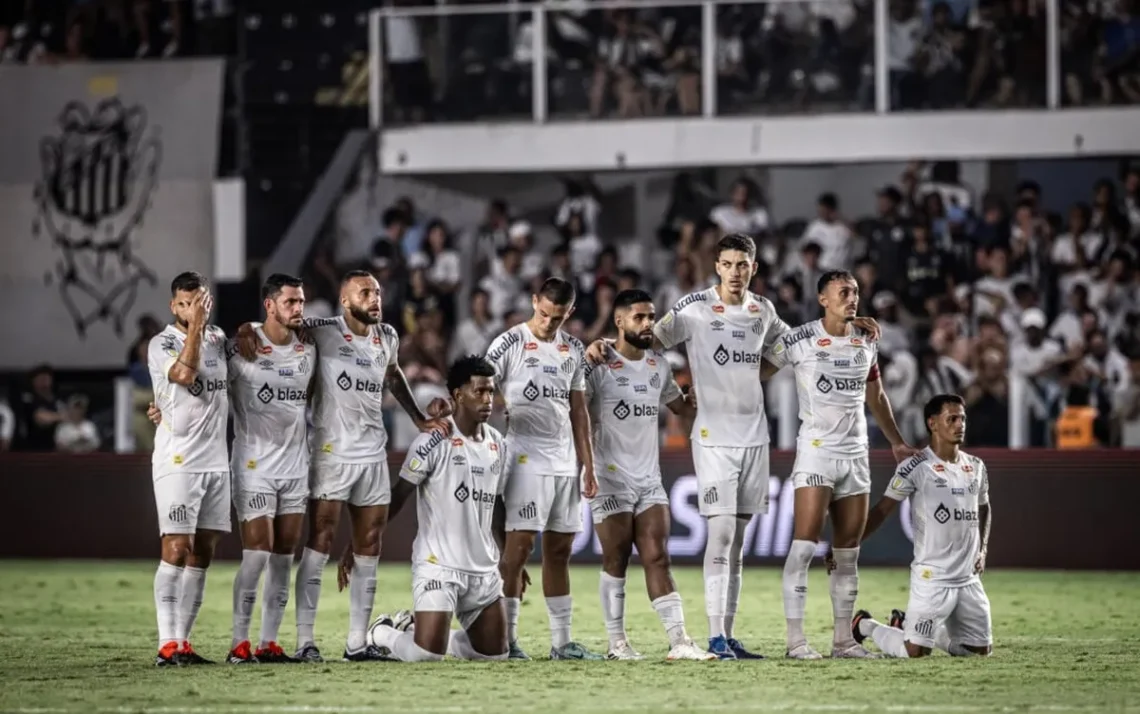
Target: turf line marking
(710,707)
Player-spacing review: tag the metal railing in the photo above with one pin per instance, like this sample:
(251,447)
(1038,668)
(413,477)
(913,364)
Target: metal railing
(540,16)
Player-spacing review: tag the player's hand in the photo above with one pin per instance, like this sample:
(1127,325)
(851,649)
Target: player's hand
(980,563)
(344,569)
(436,425)
(870,325)
(691,397)
(153,413)
(200,306)
(525,583)
(590,484)
(440,408)
(248,343)
(903,451)
(597,352)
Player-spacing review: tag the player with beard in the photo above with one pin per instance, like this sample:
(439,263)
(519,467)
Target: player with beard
(187,364)
(631,507)
(357,361)
(949,492)
(455,557)
(837,379)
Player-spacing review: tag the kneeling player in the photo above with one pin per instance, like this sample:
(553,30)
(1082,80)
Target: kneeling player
(949,496)
(631,506)
(455,561)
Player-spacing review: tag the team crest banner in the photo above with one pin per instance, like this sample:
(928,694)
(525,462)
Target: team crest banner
(105,195)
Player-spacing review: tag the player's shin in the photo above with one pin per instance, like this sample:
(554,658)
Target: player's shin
(735,577)
(890,640)
(248,577)
(167,585)
(943,642)
(672,615)
(190,600)
(308,594)
(795,590)
(722,533)
(612,593)
(460,647)
(844,586)
(361,595)
(275,596)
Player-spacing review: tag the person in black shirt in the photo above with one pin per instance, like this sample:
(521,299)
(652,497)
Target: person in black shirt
(41,412)
(925,271)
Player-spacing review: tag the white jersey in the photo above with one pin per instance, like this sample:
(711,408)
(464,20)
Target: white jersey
(625,399)
(192,435)
(536,379)
(348,393)
(725,343)
(831,386)
(944,501)
(458,479)
(269,398)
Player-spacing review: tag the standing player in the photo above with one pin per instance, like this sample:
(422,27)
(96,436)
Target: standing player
(950,512)
(356,362)
(837,376)
(455,558)
(631,507)
(270,463)
(187,364)
(541,371)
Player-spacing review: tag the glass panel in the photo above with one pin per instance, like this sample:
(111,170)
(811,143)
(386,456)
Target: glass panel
(795,57)
(955,54)
(1099,46)
(459,67)
(641,61)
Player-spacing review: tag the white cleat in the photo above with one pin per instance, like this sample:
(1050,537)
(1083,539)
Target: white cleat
(854,651)
(403,620)
(689,650)
(803,651)
(623,650)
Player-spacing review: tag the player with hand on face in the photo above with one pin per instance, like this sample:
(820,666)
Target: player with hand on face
(458,482)
(837,377)
(631,507)
(541,372)
(950,512)
(191,470)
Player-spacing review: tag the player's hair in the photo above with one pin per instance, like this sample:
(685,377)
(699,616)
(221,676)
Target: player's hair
(277,282)
(558,291)
(187,282)
(831,276)
(627,298)
(465,368)
(934,407)
(736,241)
(353,275)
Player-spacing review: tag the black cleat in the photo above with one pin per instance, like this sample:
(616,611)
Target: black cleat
(309,653)
(167,656)
(272,653)
(898,619)
(187,656)
(859,617)
(370,653)
(242,654)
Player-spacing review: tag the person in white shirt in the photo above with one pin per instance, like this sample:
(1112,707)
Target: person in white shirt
(744,213)
(458,481)
(950,512)
(76,434)
(7,424)
(837,377)
(831,234)
(632,508)
(187,364)
(476,332)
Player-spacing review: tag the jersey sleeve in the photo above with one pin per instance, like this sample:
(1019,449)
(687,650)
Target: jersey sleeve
(905,481)
(578,380)
(670,392)
(777,328)
(873,374)
(983,484)
(423,457)
(393,340)
(501,354)
(779,354)
(672,329)
(161,354)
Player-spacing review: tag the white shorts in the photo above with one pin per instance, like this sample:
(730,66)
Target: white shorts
(845,477)
(193,502)
(964,610)
(616,498)
(543,503)
(439,589)
(357,484)
(731,480)
(257,496)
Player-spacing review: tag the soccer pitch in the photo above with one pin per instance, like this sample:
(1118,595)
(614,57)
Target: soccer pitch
(79,637)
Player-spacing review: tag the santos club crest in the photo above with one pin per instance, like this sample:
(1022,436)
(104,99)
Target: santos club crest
(100,169)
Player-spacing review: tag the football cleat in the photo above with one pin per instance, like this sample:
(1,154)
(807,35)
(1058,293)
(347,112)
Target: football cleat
(404,620)
(167,655)
(859,617)
(368,653)
(187,655)
(623,650)
(309,653)
(737,648)
(516,652)
(573,650)
(242,654)
(719,646)
(689,650)
(853,652)
(898,619)
(272,653)
(803,652)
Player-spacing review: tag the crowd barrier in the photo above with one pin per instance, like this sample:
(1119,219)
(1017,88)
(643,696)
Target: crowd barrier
(1052,509)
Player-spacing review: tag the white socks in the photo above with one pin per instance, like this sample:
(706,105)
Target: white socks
(190,600)
(890,640)
(361,595)
(559,608)
(403,645)
(722,534)
(245,591)
(735,576)
(460,647)
(795,582)
(167,589)
(612,592)
(511,608)
(274,596)
(844,586)
(308,593)
(672,616)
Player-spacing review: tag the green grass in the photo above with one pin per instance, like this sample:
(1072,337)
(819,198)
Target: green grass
(79,637)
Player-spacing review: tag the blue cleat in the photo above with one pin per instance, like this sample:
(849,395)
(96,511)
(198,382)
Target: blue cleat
(737,648)
(719,646)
